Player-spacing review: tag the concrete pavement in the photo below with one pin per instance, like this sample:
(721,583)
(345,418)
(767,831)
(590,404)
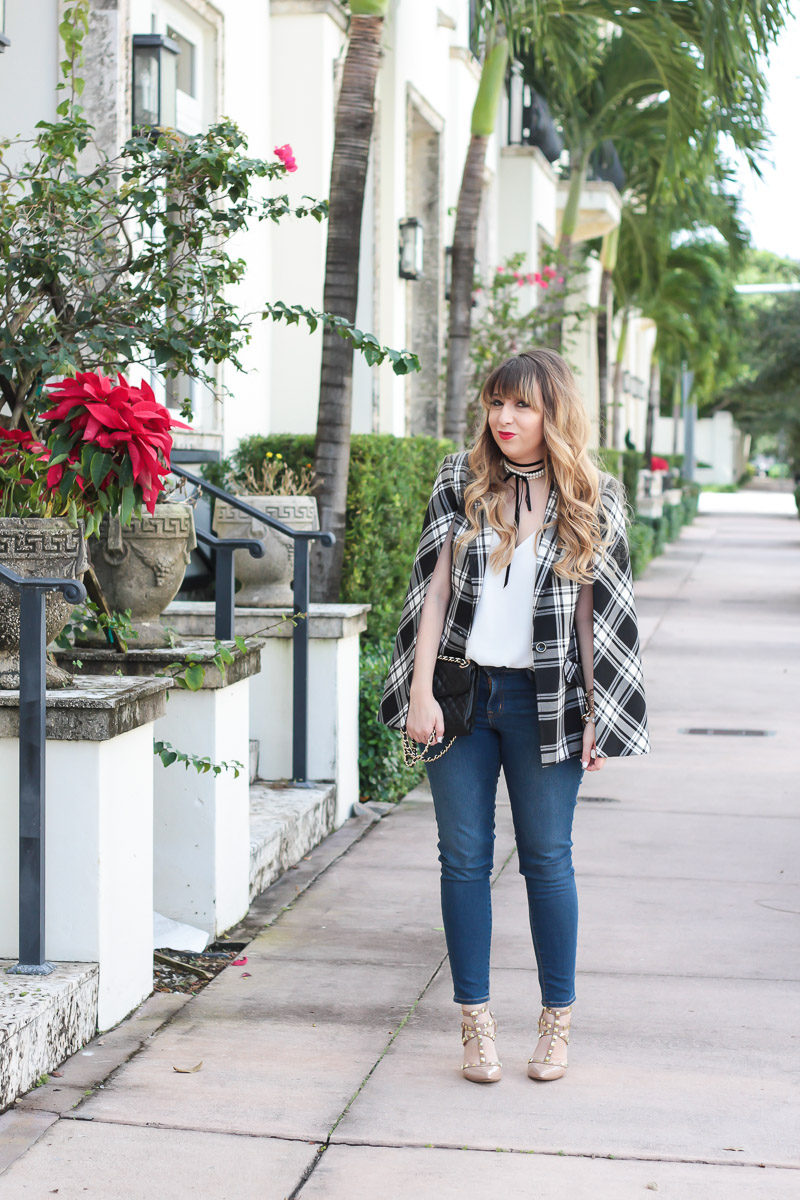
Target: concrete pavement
(330,1061)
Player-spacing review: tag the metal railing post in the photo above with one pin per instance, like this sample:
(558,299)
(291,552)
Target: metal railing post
(32,733)
(32,737)
(224,593)
(300,663)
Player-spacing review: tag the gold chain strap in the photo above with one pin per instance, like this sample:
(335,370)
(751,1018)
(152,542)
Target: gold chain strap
(412,756)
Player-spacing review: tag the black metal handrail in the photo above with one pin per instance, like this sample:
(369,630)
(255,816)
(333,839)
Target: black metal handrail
(300,597)
(32,735)
(224,581)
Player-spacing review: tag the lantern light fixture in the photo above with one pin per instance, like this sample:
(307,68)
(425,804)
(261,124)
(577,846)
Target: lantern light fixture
(155,81)
(411,248)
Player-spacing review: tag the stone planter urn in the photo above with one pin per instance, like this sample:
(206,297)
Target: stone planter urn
(44,546)
(141,567)
(266,582)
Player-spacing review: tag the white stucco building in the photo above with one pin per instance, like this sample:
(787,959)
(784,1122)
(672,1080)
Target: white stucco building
(274,68)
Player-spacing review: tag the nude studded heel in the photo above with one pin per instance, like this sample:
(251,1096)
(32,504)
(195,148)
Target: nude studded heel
(482,1071)
(549,1059)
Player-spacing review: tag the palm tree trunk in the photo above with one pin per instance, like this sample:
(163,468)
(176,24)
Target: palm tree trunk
(352,135)
(653,406)
(608,260)
(617,401)
(579,161)
(484,115)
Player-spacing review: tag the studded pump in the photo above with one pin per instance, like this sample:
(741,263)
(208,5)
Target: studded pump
(482,1071)
(549,1059)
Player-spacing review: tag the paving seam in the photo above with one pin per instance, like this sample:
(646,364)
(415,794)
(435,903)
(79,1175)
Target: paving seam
(631,1156)
(312,1166)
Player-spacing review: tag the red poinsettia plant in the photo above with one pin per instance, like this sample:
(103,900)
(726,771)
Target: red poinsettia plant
(105,449)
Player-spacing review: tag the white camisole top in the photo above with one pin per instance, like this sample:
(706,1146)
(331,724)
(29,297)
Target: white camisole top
(501,633)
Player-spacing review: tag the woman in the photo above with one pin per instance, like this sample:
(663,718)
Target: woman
(523,569)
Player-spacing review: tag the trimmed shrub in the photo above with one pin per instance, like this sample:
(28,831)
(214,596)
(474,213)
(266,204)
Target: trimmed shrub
(673,520)
(610,460)
(632,463)
(382,773)
(797,498)
(641,540)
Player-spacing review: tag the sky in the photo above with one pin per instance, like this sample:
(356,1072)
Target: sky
(772,205)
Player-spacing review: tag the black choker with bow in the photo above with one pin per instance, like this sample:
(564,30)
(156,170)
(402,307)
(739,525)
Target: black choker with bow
(522,474)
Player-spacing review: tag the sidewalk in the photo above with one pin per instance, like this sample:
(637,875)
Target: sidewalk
(329,1061)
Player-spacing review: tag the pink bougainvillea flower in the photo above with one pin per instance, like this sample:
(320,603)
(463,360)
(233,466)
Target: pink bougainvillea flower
(543,283)
(549,272)
(560,279)
(537,277)
(286,156)
(500,270)
(658,464)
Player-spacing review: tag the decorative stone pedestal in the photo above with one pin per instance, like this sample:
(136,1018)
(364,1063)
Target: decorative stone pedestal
(334,631)
(201,827)
(98,833)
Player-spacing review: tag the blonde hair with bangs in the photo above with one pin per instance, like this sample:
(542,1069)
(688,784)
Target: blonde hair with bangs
(545,381)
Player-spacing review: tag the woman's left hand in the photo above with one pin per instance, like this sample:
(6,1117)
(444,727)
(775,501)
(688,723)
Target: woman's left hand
(590,759)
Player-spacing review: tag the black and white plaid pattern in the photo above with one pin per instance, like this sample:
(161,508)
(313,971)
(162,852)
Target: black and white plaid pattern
(621,716)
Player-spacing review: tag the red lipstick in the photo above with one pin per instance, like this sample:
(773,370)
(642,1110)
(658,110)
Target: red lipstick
(505,436)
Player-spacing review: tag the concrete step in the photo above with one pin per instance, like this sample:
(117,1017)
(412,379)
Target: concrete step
(43,1019)
(285,823)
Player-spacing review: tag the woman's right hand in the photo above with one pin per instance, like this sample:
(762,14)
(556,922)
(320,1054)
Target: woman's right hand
(424,714)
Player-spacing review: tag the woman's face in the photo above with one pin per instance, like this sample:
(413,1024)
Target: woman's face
(517,428)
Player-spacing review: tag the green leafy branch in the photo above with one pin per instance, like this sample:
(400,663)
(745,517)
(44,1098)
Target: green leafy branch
(403,361)
(169,755)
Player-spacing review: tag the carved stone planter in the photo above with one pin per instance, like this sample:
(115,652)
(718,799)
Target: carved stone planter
(44,546)
(141,566)
(266,582)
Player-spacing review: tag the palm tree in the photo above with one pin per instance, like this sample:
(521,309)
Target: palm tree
(352,135)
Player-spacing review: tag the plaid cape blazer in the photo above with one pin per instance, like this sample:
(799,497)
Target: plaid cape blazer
(621,716)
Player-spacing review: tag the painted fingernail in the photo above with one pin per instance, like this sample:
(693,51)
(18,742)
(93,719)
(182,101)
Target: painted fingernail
(584,764)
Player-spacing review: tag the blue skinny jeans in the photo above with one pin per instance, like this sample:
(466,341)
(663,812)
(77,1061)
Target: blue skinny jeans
(464,786)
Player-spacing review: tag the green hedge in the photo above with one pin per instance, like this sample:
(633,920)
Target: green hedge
(610,460)
(641,540)
(382,773)
(632,463)
(797,498)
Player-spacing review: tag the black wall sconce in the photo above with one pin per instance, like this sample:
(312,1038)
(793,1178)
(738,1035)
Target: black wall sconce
(155,81)
(411,248)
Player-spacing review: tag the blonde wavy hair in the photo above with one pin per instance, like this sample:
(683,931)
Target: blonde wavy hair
(544,380)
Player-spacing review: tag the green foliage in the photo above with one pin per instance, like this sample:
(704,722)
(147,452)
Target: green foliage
(632,463)
(88,618)
(641,542)
(797,498)
(403,361)
(611,461)
(382,772)
(673,520)
(202,764)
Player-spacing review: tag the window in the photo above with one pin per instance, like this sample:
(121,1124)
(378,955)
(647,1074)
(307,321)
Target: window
(187,68)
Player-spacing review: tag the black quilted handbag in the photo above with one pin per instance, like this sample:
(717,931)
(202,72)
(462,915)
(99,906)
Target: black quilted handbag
(455,687)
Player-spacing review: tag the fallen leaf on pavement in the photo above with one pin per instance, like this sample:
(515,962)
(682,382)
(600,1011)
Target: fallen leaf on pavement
(188,1070)
(239,962)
